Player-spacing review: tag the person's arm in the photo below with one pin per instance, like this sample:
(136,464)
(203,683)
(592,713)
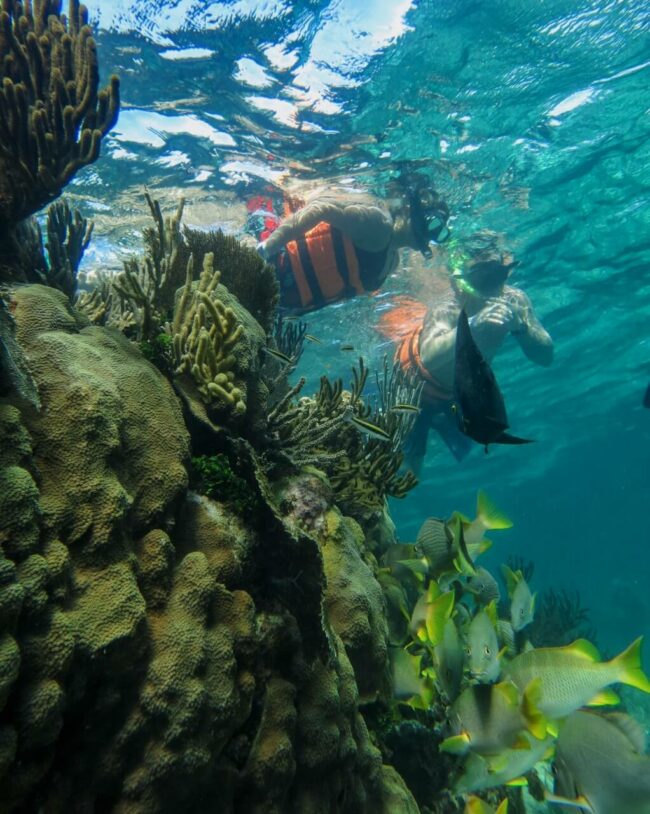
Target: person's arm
(533,338)
(369,227)
(489,327)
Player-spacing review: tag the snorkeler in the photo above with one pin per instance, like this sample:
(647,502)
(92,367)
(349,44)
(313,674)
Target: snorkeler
(336,247)
(478,273)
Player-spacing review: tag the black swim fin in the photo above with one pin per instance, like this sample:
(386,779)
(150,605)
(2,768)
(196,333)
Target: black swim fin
(506,438)
(646,398)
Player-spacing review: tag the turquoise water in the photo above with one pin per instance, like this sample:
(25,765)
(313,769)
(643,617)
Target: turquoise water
(532,120)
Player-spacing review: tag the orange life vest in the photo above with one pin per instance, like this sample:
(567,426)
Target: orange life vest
(402,324)
(324,266)
(408,355)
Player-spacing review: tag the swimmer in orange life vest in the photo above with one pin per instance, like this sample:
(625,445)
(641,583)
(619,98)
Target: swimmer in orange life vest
(335,248)
(478,274)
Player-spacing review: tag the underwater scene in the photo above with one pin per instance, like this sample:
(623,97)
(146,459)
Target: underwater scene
(324,407)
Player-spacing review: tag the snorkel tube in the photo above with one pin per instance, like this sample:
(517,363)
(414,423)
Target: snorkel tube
(458,261)
(475,277)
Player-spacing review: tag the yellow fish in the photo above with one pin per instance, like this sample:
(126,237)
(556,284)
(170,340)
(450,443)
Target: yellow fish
(572,677)
(431,611)
(442,544)
(448,660)
(600,764)
(522,601)
(488,518)
(407,678)
(482,646)
(489,718)
(505,769)
(475,805)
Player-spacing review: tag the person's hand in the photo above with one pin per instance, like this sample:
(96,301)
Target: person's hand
(497,317)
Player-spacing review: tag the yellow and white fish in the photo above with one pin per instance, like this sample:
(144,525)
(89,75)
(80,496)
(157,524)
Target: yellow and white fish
(482,647)
(508,768)
(600,765)
(431,611)
(442,545)
(475,805)
(488,718)
(572,677)
(488,518)
(407,676)
(448,660)
(522,601)
(483,587)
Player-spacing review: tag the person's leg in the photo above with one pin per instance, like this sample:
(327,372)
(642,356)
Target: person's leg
(446,424)
(415,446)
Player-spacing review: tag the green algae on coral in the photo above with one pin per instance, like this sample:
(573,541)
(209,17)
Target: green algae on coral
(216,479)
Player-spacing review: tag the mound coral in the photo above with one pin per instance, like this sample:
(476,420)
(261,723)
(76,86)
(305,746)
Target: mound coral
(179,649)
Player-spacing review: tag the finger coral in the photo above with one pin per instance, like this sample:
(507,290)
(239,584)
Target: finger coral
(205,333)
(243,272)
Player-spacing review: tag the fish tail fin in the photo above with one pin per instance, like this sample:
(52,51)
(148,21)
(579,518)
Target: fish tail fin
(510,578)
(403,317)
(438,612)
(475,805)
(629,670)
(455,745)
(489,515)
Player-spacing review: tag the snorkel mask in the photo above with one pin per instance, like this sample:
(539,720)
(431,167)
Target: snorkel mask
(478,278)
(429,215)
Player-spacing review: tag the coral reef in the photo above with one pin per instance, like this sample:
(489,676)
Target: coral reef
(354,603)
(68,236)
(317,431)
(304,499)
(52,114)
(243,272)
(217,480)
(175,644)
(187,618)
(146,289)
(204,334)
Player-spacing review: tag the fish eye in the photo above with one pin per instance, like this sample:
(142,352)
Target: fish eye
(487,650)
